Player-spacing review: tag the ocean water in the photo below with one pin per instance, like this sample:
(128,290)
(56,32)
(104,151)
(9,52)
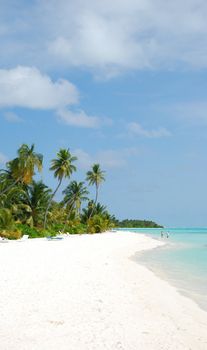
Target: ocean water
(182,261)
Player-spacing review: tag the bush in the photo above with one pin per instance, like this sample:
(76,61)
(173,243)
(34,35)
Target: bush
(11,234)
(7,226)
(33,232)
(77,229)
(6,219)
(27,230)
(49,232)
(56,227)
(98,224)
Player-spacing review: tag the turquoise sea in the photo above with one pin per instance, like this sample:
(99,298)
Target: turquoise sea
(182,261)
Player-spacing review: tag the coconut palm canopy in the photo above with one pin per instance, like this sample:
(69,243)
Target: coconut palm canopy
(75,193)
(22,168)
(63,164)
(96,175)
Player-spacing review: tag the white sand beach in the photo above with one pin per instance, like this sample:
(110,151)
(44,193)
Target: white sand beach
(85,292)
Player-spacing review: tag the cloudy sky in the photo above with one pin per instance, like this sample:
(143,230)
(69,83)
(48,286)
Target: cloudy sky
(123,83)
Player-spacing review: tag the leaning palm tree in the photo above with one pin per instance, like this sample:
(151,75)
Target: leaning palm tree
(6,182)
(95,177)
(63,168)
(75,193)
(22,168)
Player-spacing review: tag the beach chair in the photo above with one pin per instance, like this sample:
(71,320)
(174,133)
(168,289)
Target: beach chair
(4,240)
(23,239)
(54,238)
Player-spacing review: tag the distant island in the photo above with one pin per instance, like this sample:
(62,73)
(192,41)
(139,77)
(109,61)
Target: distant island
(132,223)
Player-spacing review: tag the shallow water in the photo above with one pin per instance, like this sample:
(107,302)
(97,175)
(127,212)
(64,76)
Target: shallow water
(183,261)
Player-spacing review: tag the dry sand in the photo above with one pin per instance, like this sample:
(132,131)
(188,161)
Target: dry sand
(85,293)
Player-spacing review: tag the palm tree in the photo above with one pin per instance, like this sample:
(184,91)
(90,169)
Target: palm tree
(95,177)
(86,212)
(75,194)
(22,168)
(101,209)
(6,219)
(97,209)
(6,182)
(37,196)
(63,168)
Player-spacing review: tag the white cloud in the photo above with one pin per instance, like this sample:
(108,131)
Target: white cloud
(3,158)
(12,117)
(194,112)
(27,87)
(85,160)
(136,129)
(111,159)
(80,119)
(136,34)
(98,42)
(108,159)
(108,36)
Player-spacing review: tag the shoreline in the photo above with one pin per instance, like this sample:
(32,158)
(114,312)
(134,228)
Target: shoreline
(87,292)
(183,286)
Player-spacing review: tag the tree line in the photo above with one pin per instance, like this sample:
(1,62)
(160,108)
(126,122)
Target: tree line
(131,223)
(29,207)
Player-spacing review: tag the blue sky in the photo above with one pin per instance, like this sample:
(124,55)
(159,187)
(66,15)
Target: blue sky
(123,84)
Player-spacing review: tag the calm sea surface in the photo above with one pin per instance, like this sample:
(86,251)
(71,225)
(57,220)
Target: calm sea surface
(183,261)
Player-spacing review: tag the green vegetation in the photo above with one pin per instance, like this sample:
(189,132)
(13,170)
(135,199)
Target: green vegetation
(28,206)
(63,168)
(95,177)
(21,169)
(136,223)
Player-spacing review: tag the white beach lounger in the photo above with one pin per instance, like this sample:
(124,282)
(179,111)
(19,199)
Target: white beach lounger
(4,240)
(55,238)
(24,238)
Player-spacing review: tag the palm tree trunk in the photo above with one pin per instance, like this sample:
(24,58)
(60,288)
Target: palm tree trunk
(96,199)
(67,219)
(70,211)
(10,186)
(49,204)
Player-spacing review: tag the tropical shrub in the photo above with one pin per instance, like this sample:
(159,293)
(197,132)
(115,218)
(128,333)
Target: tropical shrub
(27,230)
(57,215)
(98,223)
(36,232)
(16,234)
(77,229)
(6,219)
